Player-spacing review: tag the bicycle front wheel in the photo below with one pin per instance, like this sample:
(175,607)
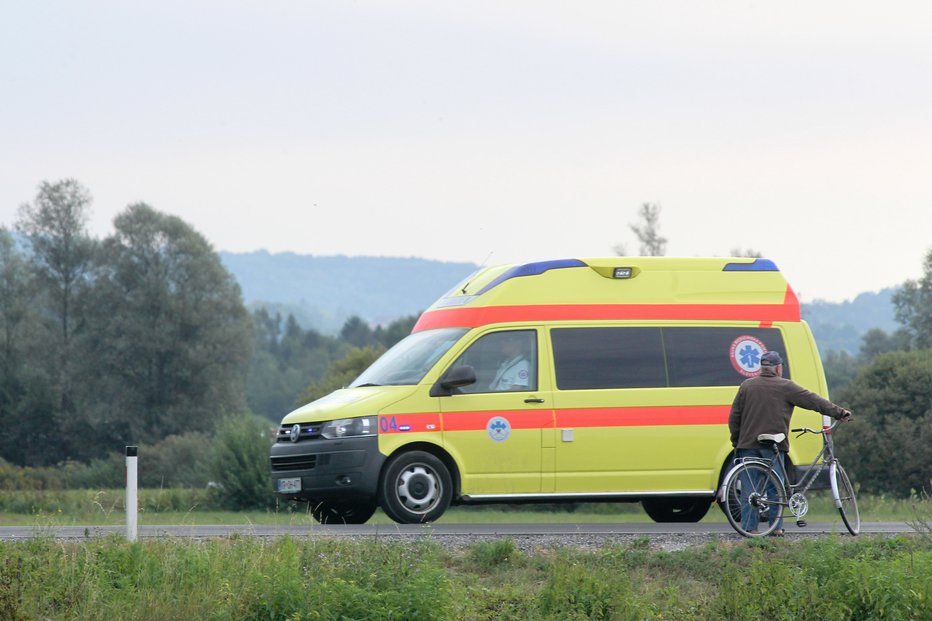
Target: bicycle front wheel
(754,499)
(843,493)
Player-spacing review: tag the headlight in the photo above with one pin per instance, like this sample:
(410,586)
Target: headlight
(349,427)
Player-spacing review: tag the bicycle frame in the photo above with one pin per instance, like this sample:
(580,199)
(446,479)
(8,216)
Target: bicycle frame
(823,460)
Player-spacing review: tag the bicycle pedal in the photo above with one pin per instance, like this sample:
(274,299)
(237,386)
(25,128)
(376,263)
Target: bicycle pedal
(801,523)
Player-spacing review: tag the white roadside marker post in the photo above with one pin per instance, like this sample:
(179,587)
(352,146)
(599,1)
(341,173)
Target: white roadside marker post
(132,508)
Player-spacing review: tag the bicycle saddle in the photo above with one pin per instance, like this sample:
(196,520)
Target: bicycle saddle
(776,438)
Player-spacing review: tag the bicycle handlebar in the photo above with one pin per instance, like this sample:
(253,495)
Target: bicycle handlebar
(824,430)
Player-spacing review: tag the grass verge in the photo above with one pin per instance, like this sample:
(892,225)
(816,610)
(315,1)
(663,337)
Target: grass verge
(190,506)
(313,579)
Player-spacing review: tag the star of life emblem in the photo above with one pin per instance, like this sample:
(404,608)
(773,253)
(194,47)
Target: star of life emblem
(498,428)
(745,353)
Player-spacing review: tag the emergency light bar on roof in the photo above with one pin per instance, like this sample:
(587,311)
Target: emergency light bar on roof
(532,269)
(539,267)
(759,265)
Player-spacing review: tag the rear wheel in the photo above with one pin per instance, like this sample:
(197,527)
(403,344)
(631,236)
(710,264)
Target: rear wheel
(327,512)
(843,493)
(756,488)
(416,487)
(686,509)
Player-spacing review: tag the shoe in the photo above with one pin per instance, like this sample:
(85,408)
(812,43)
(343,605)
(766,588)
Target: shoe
(801,523)
(778,533)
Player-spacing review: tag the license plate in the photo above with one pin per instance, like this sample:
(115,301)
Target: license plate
(287,486)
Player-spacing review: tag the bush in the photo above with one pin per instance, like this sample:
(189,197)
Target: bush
(176,461)
(239,464)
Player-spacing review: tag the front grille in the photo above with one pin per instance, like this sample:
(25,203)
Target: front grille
(289,463)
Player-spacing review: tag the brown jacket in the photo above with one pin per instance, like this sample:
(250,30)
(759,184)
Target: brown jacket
(765,403)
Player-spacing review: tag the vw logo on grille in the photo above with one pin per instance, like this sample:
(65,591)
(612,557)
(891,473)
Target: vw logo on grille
(295,433)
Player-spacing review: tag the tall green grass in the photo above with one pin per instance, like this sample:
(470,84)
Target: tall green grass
(317,579)
(185,506)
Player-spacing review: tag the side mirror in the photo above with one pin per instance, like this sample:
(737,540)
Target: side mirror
(454,378)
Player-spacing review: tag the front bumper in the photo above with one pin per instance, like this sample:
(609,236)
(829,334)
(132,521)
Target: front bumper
(346,469)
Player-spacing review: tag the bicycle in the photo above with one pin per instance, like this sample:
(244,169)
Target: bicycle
(754,481)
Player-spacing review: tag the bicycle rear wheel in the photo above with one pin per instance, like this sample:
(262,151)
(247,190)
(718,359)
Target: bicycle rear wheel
(756,489)
(843,493)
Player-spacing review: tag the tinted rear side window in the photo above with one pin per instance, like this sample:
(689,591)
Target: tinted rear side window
(588,358)
(714,356)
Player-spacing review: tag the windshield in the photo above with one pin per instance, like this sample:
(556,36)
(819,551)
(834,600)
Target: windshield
(410,359)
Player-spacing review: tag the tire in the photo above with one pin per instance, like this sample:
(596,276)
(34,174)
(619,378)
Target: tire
(326,512)
(843,493)
(416,487)
(685,509)
(771,503)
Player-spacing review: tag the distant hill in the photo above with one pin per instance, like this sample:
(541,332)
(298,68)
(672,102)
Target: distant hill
(840,326)
(323,291)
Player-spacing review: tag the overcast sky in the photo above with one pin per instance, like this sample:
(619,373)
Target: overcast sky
(489,131)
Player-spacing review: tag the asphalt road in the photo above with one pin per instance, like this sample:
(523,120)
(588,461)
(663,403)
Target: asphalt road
(440,532)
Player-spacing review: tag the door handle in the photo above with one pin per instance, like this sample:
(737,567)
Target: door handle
(533,400)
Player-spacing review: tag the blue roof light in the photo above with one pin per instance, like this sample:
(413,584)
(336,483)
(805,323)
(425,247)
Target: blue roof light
(532,269)
(759,265)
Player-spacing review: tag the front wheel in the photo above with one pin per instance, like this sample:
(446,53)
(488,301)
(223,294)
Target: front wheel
(843,493)
(754,499)
(416,487)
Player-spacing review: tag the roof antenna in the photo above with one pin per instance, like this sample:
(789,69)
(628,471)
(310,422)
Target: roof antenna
(481,265)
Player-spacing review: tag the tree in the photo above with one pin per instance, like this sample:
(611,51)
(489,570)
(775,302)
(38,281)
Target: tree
(913,304)
(841,368)
(24,385)
(746,252)
(648,233)
(16,293)
(889,447)
(395,331)
(875,342)
(285,359)
(55,226)
(342,373)
(172,337)
(357,333)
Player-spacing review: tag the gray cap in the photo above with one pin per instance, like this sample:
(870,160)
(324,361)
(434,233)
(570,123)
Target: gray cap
(771,359)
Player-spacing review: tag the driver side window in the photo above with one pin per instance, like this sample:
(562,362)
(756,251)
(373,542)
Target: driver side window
(504,361)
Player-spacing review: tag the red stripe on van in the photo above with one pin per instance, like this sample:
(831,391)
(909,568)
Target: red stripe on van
(484,315)
(644,417)
(547,419)
(518,419)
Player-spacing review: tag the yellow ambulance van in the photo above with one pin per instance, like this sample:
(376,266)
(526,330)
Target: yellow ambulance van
(560,381)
